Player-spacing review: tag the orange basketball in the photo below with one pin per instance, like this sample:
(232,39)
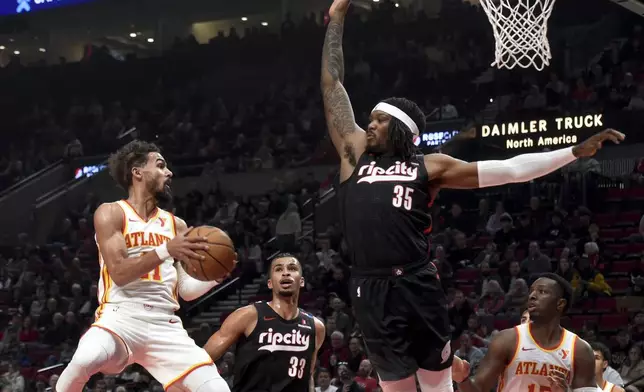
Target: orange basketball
(220,258)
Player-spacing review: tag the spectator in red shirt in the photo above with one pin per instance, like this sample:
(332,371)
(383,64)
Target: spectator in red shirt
(363,376)
(28,333)
(338,352)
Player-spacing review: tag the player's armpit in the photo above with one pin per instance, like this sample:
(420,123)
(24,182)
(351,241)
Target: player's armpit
(240,322)
(108,222)
(499,354)
(584,366)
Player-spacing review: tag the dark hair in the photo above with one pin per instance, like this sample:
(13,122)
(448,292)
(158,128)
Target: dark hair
(564,285)
(602,348)
(324,370)
(400,137)
(133,154)
(281,255)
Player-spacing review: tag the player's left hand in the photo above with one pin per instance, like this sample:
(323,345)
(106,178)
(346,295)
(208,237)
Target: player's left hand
(557,381)
(590,146)
(230,273)
(460,370)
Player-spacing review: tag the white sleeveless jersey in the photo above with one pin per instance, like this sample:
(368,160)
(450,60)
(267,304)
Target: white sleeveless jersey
(529,368)
(608,387)
(158,288)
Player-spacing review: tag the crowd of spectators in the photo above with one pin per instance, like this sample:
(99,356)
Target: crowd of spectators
(48,292)
(182,101)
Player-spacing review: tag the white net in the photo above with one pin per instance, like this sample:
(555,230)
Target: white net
(521,32)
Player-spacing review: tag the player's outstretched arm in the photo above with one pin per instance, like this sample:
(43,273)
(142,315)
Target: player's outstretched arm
(584,379)
(448,172)
(349,140)
(499,354)
(320,334)
(108,222)
(240,322)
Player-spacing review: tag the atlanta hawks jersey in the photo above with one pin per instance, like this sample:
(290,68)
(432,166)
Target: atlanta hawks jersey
(529,368)
(156,288)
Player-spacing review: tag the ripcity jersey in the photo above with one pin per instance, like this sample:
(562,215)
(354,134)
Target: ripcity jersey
(276,356)
(529,368)
(384,209)
(158,288)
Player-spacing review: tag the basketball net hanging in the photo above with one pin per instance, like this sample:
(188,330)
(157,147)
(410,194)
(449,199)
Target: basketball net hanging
(520,31)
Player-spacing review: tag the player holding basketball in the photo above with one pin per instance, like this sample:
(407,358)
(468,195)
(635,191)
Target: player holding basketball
(138,246)
(540,355)
(385,189)
(277,342)
(602,356)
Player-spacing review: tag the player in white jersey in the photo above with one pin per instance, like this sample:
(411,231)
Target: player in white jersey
(602,356)
(534,356)
(139,247)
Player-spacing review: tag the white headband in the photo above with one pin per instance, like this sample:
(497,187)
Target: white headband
(399,114)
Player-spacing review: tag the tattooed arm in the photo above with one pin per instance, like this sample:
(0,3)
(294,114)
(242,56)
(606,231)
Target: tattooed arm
(348,139)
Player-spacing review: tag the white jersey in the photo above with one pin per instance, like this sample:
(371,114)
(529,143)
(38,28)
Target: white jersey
(156,289)
(608,387)
(529,368)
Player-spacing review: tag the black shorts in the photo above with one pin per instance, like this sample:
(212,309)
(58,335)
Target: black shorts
(404,321)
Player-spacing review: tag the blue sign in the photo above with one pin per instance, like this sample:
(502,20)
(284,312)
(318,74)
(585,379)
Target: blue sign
(14,7)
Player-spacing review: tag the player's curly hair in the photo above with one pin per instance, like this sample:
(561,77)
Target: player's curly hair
(401,139)
(133,154)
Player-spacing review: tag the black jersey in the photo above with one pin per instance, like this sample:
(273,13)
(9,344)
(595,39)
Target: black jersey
(384,209)
(276,356)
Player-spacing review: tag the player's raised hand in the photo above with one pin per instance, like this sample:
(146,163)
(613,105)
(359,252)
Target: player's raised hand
(594,143)
(339,8)
(183,248)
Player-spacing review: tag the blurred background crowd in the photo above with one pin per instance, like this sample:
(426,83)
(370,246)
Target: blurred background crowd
(238,115)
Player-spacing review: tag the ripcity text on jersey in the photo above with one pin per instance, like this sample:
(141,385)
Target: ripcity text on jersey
(384,208)
(158,288)
(276,356)
(529,368)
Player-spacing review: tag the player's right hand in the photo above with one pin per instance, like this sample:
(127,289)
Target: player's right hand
(339,8)
(460,370)
(183,248)
(557,381)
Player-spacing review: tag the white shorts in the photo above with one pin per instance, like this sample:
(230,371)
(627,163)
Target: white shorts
(155,339)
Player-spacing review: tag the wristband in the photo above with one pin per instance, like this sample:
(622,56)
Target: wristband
(162,251)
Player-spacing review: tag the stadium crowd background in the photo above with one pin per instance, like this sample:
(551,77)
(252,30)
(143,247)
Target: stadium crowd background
(584,222)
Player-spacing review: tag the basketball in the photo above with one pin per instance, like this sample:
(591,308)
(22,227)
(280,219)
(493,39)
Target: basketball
(220,258)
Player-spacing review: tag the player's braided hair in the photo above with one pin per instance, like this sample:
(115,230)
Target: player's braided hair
(401,140)
(133,154)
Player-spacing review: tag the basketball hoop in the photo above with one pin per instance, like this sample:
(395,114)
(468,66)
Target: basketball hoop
(521,32)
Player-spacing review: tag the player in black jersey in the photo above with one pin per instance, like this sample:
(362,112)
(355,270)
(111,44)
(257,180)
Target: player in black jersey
(277,342)
(386,187)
